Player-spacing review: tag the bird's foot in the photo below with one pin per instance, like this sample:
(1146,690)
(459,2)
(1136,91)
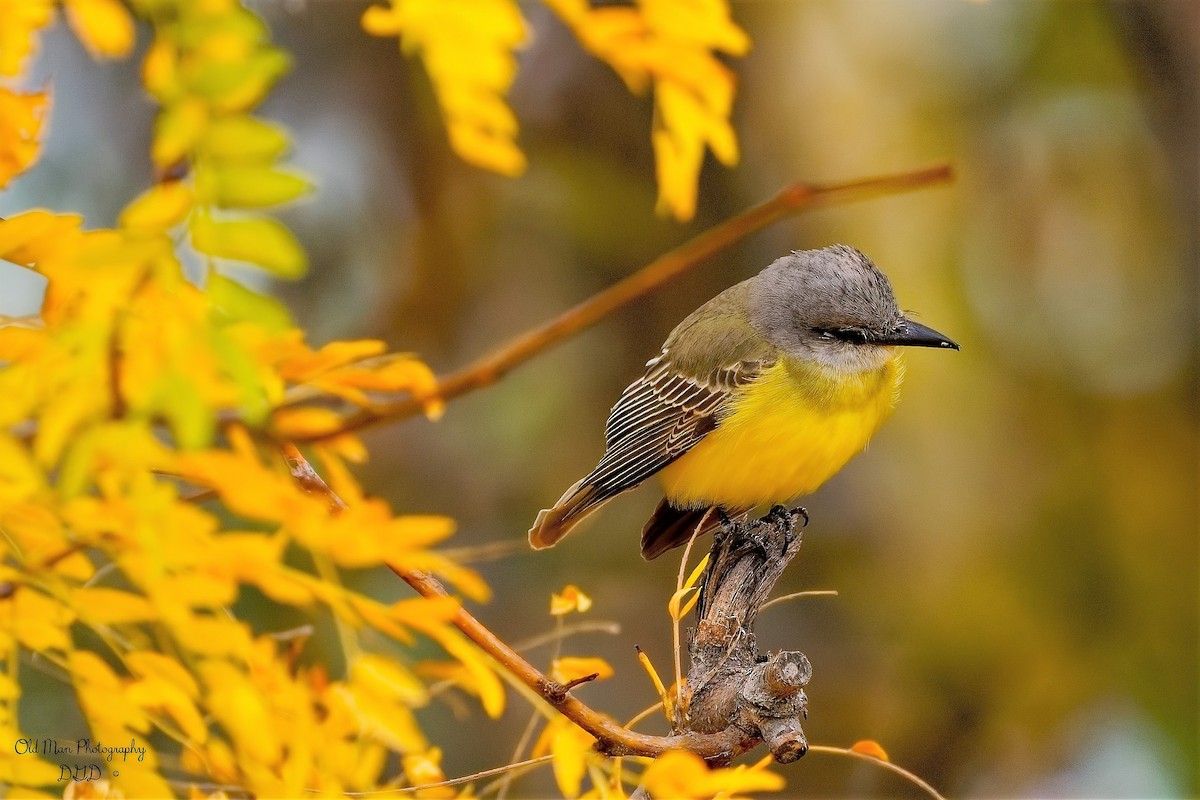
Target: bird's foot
(784,521)
(724,518)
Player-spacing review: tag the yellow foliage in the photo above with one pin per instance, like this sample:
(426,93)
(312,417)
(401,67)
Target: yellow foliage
(671,43)
(23,19)
(573,749)
(570,668)
(684,775)
(143,490)
(571,598)
(867,747)
(21,117)
(467,48)
(122,381)
(104,26)
(160,207)
(263,242)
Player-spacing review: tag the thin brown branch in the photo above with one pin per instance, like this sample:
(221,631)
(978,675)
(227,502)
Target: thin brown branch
(901,771)
(308,478)
(797,595)
(487,773)
(611,738)
(492,366)
(559,634)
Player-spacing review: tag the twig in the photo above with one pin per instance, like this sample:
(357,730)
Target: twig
(797,595)
(557,635)
(879,762)
(492,366)
(611,738)
(487,773)
(676,649)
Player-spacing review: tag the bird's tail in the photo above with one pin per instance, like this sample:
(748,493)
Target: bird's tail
(670,527)
(557,521)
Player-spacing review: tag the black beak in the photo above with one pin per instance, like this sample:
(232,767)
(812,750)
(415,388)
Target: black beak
(914,334)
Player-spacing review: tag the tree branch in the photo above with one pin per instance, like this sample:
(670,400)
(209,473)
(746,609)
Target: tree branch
(611,738)
(490,367)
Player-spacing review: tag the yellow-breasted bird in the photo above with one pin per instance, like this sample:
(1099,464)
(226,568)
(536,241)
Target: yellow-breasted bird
(758,397)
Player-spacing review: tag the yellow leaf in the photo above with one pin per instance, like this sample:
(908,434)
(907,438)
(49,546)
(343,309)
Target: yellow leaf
(20,478)
(233,71)
(25,770)
(21,118)
(103,606)
(160,70)
(303,423)
(200,590)
(392,373)
(684,775)
(239,303)
(487,149)
(381,717)
(77,566)
(249,186)
(676,607)
(104,27)
(160,207)
(96,685)
(867,747)
(571,747)
(158,694)
(663,695)
(213,636)
(140,782)
(386,678)
(487,686)
(673,43)
(262,242)
(467,47)
(18,34)
(704,23)
(39,622)
(570,668)
(33,236)
(148,663)
(425,767)
(241,709)
(379,21)
(241,137)
(570,599)
(178,127)
(306,365)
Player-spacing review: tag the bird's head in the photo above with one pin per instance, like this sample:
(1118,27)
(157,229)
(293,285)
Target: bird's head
(835,307)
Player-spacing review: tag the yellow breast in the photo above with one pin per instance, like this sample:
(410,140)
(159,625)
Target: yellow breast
(787,433)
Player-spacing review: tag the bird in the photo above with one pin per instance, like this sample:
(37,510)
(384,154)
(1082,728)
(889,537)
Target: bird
(757,398)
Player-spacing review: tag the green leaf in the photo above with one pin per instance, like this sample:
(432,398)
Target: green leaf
(189,417)
(261,241)
(250,186)
(236,303)
(239,85)
(241,137)
(253,403)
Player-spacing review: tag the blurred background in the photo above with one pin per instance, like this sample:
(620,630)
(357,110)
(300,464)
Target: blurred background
(1016,554)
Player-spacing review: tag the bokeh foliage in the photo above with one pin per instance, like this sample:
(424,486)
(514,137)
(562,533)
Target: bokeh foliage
(1016,553)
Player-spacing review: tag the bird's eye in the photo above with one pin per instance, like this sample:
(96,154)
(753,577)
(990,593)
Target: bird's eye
(851,335)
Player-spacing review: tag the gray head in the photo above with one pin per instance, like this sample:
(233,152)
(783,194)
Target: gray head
(834,306)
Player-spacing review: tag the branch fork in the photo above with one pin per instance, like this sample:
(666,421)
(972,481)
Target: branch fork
(731,685)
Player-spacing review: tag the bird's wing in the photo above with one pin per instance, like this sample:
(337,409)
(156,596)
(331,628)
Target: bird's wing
(660,417)
(664,413)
